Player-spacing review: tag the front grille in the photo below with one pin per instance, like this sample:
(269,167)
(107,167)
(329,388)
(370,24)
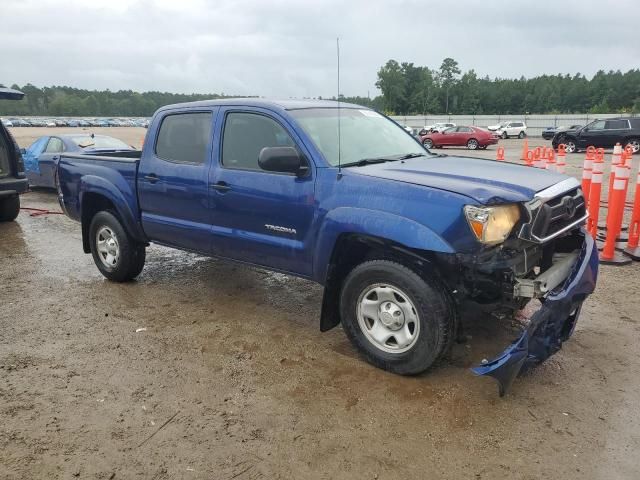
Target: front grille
(558,213)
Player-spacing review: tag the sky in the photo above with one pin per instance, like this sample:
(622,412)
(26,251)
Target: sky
(286,48)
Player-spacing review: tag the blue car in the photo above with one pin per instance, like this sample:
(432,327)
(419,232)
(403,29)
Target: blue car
(41,157)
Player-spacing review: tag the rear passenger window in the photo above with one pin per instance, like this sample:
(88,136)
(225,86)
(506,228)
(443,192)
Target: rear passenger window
(616,124)
(184,137)
(245,134)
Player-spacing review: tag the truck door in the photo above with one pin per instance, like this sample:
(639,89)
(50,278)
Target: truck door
(258,216)
(593,134)
(173,189)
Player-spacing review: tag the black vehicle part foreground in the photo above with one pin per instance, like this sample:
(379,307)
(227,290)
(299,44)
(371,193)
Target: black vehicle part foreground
(550,326)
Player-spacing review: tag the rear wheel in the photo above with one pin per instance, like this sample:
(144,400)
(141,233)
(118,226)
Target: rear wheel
(397,319)
(9,208)
(118,257)
(472,144)
(634,143)
(428,143)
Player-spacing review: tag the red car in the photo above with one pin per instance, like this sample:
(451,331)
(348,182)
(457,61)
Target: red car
(470,137)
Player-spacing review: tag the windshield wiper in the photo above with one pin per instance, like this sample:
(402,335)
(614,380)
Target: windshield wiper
(411,155)
(368,161)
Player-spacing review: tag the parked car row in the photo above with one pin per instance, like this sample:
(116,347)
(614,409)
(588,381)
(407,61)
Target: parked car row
(75,122)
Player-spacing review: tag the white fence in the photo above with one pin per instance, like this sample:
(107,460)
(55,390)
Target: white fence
(535,123)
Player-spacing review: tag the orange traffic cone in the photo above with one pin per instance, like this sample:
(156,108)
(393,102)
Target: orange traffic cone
(587,170)
(562,154)
(525,149)
(632,249)
(594,193)
(551,161)
(500,154)
(538,161)
(609,256)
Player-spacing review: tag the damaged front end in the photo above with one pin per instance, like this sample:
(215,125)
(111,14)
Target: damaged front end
(549,259)
(552,324)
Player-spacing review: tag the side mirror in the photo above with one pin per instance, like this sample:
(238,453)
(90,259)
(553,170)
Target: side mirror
(282,159)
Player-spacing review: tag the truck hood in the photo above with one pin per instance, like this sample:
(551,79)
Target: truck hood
(486,181)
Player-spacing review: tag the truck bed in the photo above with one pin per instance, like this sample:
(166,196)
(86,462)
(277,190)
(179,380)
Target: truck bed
(79,174)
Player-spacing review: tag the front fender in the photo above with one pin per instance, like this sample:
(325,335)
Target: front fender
(395,228)
(120,196)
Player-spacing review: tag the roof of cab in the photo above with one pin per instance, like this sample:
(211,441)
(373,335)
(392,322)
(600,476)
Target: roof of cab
(264,103)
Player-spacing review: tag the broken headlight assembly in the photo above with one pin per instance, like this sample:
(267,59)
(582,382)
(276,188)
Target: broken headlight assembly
(492,225)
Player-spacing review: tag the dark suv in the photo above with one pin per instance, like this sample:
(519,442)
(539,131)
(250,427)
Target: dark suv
(12,178)
(601,133)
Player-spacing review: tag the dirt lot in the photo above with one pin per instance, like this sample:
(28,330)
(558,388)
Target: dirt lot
(233,360)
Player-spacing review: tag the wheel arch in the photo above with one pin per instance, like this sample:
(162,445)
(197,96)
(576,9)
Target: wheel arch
(94,197)
(352,248)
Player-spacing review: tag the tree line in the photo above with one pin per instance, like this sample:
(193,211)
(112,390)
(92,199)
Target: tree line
(68,101)
(410,89)
(405,88)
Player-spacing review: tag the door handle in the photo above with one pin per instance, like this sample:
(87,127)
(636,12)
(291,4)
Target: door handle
(151,178)
(221,186)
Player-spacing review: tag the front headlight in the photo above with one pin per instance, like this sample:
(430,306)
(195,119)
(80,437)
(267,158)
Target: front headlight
(492,225)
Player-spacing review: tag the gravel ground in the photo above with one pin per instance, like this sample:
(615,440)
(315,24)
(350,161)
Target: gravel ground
(230,378)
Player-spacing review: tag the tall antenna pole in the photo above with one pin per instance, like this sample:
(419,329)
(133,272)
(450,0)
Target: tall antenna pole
(339,115)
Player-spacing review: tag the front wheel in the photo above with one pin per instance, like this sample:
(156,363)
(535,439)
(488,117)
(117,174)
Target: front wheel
(569,145)
(472,144)
(634,143)
(118,257)
(397,319)
(504,135)
(428,143)
(9,208)
(521,135)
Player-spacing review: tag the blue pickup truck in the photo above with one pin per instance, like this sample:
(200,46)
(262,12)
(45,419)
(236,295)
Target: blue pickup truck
(404,241)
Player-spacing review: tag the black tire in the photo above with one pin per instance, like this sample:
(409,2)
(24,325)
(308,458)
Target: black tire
(436,322)
(9,208)
(427,143)
(472,144)
(131,258)
(570,144)
(504,135)
(521,135)
(634,143)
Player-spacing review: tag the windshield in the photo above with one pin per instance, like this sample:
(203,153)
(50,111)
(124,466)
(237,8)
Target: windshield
(86,141)
(364,134)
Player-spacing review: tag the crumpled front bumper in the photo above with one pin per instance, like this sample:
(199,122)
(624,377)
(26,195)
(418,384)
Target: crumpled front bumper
(551,325)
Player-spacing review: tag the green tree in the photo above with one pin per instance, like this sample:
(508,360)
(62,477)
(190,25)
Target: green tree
(448,76)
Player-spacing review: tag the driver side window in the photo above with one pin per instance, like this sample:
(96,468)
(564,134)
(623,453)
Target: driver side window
(597,125)
(246,134)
